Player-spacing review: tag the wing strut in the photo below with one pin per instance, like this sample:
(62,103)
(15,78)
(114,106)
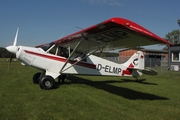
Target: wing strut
(81,60)
(71,55)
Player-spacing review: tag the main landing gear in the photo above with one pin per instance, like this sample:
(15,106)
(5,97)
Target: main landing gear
(45,82)
(36,78)
(61,77)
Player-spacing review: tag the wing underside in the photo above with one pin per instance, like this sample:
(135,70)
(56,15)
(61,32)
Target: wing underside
(111,34)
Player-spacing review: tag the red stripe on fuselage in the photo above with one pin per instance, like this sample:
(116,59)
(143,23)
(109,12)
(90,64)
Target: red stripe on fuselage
(61,59)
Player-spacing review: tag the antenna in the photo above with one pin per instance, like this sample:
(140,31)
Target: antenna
(61,36)
(79,27)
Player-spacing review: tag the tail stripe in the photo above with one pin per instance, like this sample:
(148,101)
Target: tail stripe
(128,71)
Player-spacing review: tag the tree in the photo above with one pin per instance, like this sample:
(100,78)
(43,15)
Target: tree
(4,53)
(173,36)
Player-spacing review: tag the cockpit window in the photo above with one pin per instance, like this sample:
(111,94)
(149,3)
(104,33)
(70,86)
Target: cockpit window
(45,47)
(60,51)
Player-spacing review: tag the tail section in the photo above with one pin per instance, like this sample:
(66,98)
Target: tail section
(136,61)
(135,65)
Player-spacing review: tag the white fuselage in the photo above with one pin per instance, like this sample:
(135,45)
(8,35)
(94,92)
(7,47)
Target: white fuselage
(52,64)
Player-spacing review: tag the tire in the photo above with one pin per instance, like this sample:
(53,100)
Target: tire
(36,78)
(47,83)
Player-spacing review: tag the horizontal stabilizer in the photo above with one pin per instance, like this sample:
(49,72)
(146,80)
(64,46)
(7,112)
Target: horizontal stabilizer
(23,64)
(149,71)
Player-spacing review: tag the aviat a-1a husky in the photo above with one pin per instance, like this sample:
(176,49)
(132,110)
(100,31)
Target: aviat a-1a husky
(72,54)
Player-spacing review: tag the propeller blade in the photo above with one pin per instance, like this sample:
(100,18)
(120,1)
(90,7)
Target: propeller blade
(15,39)
(12,49)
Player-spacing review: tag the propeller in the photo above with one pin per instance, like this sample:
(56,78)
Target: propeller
(13,48)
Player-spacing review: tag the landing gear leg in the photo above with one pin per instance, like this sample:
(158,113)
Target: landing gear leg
(136,78)
(61,77)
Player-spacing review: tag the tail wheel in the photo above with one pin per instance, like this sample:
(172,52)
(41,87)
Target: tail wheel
(47,82)
(36,78)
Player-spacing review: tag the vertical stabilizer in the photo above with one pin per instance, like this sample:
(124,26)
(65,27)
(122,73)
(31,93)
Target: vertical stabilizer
(136,61)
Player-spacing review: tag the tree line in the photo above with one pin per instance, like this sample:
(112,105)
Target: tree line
(173,36)
(4,53)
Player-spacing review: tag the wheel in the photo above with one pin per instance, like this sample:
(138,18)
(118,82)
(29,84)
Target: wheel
(47,83)
(36,78)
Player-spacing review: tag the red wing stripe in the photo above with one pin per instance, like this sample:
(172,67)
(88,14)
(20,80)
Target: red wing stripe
(92,66)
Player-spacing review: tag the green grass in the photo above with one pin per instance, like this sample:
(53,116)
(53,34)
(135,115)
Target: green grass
(89,97)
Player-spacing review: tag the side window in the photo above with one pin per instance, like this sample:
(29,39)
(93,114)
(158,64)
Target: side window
(175,57)
(79,57)
(63,52)
(53,50)
(59,51)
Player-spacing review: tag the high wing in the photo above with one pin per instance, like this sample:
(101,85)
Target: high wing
(110,34)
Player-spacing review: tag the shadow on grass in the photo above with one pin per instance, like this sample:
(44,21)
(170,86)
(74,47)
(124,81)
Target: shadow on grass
(120,91)
(140,81)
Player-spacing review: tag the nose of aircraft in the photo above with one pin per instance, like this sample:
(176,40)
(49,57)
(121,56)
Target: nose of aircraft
(12,49)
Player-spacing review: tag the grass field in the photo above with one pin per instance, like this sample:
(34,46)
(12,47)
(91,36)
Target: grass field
(89,97)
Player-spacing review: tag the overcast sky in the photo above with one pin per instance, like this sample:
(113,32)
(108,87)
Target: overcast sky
(43,21)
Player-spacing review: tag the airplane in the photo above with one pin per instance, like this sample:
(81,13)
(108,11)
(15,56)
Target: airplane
(73,54)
